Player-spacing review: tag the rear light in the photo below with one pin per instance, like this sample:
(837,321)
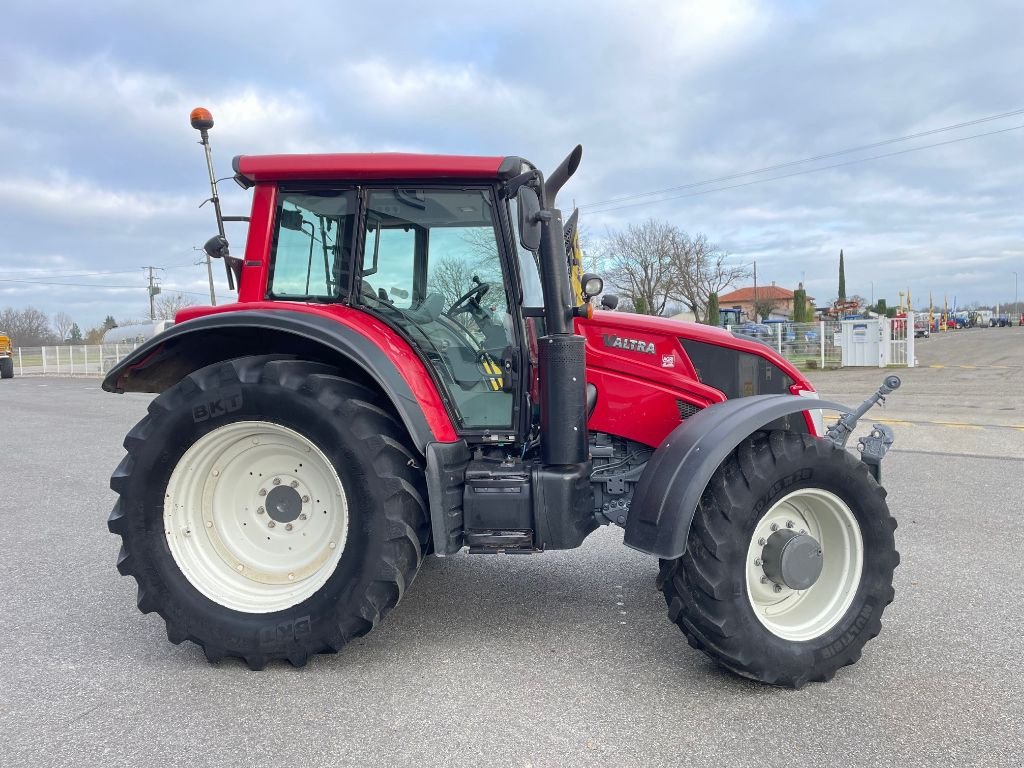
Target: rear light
(817,420)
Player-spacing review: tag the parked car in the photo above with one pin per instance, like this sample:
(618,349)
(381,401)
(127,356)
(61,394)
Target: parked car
(921,329)
(757,330)
(1000,321)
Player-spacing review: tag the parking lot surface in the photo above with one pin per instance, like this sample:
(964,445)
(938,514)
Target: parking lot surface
(565,658)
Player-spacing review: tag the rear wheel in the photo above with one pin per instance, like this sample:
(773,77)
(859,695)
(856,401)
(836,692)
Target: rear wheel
(789,561)
(269,509)
(6,367)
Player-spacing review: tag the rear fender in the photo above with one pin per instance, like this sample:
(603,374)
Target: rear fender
(677,474)
(170,356)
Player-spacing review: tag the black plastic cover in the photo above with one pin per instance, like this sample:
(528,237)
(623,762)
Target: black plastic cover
(676,476)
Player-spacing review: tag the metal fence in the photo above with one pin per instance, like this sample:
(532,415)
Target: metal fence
(806,345)
(70,360)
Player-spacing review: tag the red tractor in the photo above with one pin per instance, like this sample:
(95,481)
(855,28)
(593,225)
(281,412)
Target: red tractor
(408,370)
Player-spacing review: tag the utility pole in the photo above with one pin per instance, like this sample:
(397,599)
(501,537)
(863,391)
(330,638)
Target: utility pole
(209,274)
(153,291)
(755,292)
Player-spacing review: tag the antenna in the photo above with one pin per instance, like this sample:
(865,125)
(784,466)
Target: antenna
(202,121)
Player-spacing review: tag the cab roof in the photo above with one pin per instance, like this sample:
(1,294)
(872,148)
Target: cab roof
(373,165)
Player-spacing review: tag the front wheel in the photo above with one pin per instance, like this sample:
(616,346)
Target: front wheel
(6,367)
(789,561)
(269,509)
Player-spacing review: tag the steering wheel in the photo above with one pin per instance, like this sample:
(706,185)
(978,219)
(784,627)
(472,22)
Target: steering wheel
(470,300)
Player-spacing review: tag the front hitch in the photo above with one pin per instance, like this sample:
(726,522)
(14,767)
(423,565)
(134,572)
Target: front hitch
(874,446)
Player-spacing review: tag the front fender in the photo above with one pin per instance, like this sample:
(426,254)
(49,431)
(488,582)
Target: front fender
(183,348)
(677,474)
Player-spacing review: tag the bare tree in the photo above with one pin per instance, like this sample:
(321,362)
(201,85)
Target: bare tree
(451,278)
(168,304)
(763,308)
(700,269)
(27,327)
(639,263)
(62,323)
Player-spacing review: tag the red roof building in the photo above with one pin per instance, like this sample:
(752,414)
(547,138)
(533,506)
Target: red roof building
(744,298)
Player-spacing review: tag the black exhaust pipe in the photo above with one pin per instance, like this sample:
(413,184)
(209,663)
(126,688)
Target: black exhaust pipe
(560,352)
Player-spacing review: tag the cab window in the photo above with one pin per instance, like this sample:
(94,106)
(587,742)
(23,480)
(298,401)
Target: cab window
(312,244)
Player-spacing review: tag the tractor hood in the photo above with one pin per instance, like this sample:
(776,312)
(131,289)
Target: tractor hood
(651,372)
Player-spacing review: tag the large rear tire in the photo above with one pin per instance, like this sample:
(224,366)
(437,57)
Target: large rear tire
(6,367)
(269,509)
(728,601)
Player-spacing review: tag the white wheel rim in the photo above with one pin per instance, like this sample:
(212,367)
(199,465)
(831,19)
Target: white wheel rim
(806,614)
(226,540)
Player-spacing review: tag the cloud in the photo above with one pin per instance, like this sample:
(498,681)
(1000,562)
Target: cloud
(101,170)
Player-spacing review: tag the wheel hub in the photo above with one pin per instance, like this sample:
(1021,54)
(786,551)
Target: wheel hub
(284,504)
(792,559)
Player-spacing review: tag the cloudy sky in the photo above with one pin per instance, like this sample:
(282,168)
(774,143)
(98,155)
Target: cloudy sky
(100,173)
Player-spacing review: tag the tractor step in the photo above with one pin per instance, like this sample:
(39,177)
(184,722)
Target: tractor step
(492,542)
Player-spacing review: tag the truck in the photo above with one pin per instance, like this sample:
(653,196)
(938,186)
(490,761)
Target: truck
(412,369)
(6,357)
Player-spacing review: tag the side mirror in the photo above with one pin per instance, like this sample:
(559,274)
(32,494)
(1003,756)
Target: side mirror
(529,221)
(592,285)
(216,247)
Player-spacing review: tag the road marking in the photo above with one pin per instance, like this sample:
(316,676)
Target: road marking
(975,367)
(953,424)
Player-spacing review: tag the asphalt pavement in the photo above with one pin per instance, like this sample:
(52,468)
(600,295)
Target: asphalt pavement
(560,659)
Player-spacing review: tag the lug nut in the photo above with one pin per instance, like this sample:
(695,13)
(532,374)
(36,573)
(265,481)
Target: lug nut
(295,483)
(757,562)
(305,499)
(790,524)
(288,526)
(263,491)
(764,579)
(761,542)
(302,516)
(777,588)
(260,510)
(271,524)
(775,526)
(277,481)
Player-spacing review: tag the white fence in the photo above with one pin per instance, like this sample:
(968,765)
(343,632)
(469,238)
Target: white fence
(70,360)
(808,345)
(835,343)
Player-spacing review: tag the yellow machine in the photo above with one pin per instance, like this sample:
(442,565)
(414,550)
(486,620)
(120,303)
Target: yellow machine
(6,357)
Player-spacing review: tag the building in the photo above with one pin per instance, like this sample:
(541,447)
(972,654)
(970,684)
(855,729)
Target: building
(744,298)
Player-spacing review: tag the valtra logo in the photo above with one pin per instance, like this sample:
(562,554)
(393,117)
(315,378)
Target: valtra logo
(633,345)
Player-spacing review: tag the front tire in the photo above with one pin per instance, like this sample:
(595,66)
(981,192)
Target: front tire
(6,367)
(720,594)
(269,509)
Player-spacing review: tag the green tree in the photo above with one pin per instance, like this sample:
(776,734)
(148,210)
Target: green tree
(880,308)
(109,322)
(842,277)
(75,335)
(640,305)
(712,310)
(800,305)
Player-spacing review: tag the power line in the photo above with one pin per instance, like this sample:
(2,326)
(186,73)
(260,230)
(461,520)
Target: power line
(104,286)
(810,170)
(815,158)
